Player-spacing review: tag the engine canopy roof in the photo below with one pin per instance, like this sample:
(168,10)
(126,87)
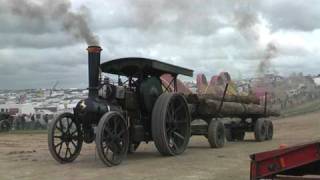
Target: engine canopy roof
(135,66)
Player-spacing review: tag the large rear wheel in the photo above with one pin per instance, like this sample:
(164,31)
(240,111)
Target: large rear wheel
(171,124)
(112,138)
(64,138)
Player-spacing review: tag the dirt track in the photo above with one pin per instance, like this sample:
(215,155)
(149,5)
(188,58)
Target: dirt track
(26,156)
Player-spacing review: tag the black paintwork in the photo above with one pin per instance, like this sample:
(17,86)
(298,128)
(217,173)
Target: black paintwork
(133,66)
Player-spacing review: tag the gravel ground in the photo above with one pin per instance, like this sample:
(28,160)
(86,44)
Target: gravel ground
(26,156)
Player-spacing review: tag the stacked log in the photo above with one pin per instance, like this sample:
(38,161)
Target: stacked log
(208,106)
(195,98)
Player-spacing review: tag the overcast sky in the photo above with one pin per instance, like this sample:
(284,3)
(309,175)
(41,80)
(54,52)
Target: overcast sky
(208,36)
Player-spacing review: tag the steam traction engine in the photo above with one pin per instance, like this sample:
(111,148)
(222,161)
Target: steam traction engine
(120,116)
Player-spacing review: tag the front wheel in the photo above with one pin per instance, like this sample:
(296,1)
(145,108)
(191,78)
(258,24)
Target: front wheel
(112,138)
(64,138)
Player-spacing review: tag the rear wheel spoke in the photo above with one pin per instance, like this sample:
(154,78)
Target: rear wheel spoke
(179,108)
(104,145)
(121,133)
(115,122)
(107,130)
(174,145)
(178,135)
(168,130)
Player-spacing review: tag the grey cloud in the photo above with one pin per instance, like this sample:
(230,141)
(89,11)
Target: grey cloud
(11,24)
(286,65)
(207,36)
(180,17)
(25,78)
(37,68)
(43,12)
(38,41)
(294,15)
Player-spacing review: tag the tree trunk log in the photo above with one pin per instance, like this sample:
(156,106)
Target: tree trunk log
(210,108)
(195,98)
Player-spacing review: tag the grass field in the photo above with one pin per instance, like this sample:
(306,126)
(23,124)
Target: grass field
(302,109)
(42,131)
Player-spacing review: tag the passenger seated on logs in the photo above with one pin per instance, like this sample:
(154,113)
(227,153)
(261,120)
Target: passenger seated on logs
(202,83)
(226,78)
(215,86)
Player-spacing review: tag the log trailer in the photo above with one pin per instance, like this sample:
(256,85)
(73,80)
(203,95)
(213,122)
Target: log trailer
(118,116)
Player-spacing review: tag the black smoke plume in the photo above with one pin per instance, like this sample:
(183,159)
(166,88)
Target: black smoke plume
(44,11)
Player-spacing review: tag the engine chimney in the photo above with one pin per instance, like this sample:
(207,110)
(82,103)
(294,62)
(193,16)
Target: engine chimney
(93,65)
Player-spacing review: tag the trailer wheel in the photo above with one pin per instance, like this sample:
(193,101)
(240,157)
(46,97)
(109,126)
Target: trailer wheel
(270,130)
(171,124)
(4,125)
(216,134)
(260,130)
(112,138)
(234,135)
(65,138)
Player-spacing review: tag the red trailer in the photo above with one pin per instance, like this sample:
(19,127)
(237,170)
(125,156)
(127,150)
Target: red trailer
(295,162)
